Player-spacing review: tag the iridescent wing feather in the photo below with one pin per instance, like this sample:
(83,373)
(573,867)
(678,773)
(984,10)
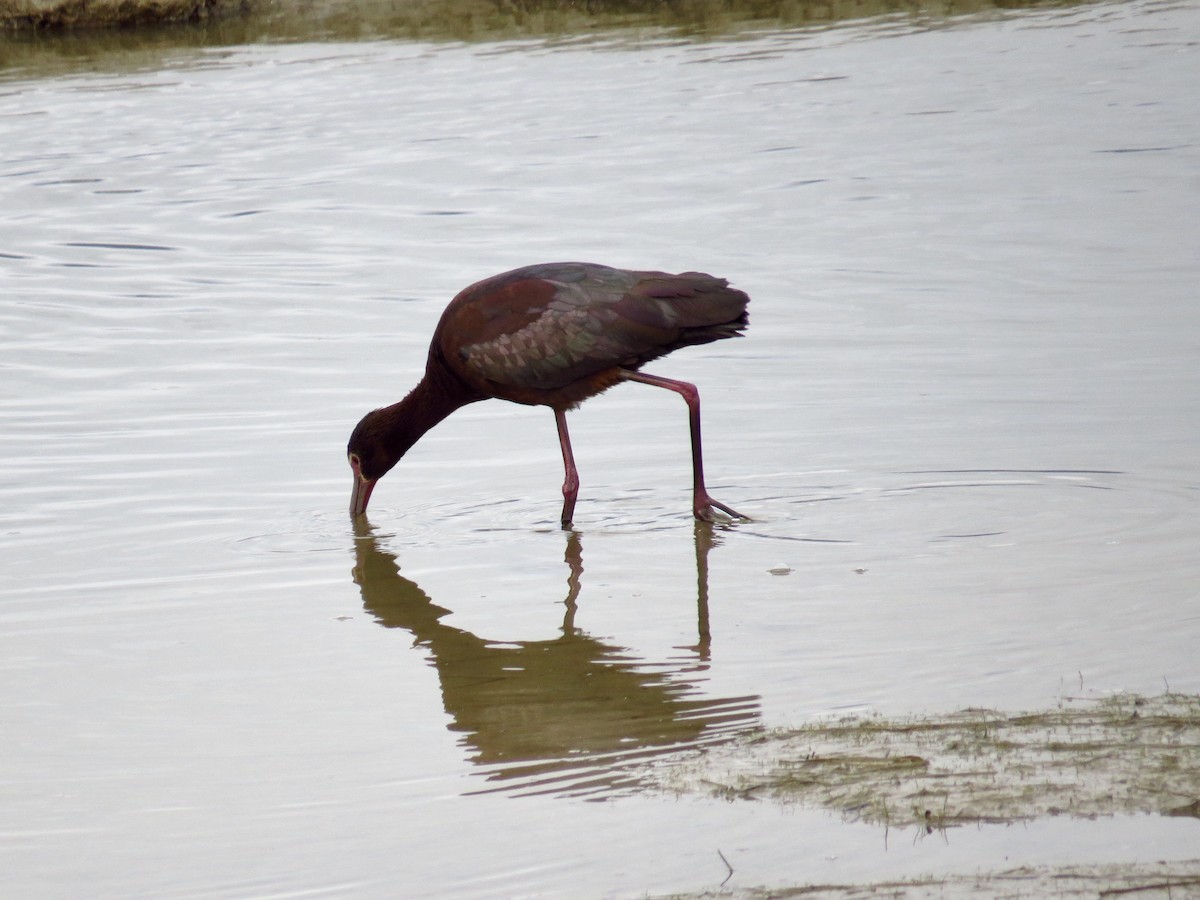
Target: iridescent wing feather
(573,320)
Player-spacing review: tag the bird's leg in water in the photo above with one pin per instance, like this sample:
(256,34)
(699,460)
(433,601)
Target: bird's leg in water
(571,481)
(702,503)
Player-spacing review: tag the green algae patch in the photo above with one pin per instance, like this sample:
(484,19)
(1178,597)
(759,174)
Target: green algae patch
(1090,757)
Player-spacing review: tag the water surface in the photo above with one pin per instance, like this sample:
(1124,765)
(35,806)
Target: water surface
(964,421)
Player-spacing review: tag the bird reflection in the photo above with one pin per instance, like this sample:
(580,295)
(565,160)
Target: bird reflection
(571,715)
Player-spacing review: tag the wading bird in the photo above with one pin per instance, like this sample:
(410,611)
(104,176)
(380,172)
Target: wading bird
(553,335)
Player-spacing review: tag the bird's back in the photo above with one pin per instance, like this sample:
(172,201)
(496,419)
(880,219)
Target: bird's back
(557,333)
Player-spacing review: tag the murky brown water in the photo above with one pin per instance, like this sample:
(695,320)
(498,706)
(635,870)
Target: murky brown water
(965,421)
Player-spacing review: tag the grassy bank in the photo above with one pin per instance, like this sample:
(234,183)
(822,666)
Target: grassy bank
(472,19)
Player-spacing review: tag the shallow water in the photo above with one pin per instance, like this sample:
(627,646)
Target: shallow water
(964,421)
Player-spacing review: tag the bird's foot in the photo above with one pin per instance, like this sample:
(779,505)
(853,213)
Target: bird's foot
(705,508)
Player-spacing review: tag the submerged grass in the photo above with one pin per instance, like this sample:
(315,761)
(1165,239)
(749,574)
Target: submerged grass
(1144,881)
(1117,755)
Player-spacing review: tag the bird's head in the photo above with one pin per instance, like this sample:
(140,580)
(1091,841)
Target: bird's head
(369,458)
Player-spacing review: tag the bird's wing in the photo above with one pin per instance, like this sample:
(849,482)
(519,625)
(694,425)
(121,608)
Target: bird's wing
(556,325)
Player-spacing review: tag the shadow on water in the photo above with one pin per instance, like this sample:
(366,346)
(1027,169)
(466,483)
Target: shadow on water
(573,715)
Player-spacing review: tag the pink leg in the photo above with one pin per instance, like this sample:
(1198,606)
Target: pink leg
(702,503)
(571,482)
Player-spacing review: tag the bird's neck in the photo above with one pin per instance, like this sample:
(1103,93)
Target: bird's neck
(433,399)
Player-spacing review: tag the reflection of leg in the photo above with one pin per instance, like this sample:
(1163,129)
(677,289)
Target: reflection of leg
(573,557)
(571,481)
(702,503)
(704,543)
